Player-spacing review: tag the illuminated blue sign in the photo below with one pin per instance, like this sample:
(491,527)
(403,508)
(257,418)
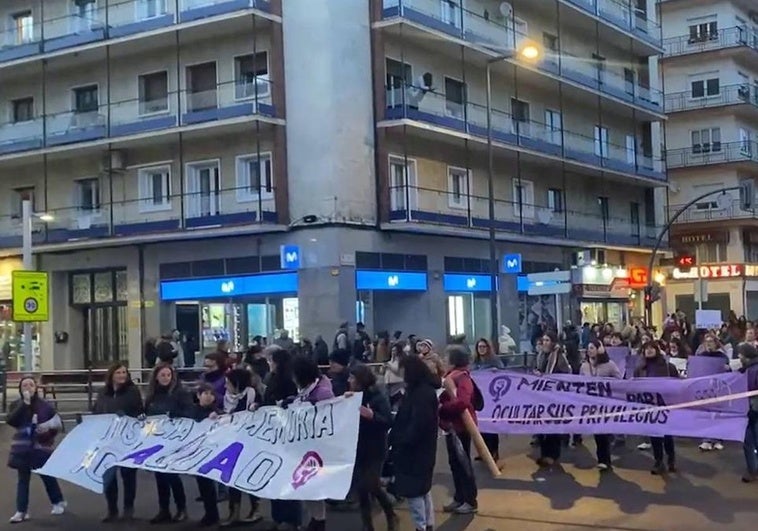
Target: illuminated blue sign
(289,257)
(226,287)
(467,283)
(512,263)
(523,283)
(390,281)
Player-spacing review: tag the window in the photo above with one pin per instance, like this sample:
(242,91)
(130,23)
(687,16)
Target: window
(629,80)
(649,207)
(705,87)
(457,187)
(450,10)
(23,28)
(553,126)
(203,191)
(555,199)
(85,15)
(150,8)
(631,150)
(603,203)
(520,116)
(523,198)
(20,195)
(634,217)
(255,178)
(550,42)
(251,76)
(704,31)
(85,99)
(201,82)
(88,195)
(455,97)
(601,141)
(745,142)
(403,184)
(23,110)
(709,203)
(399,75)
(710,253)
(153,93)
(706,140)
(155,188)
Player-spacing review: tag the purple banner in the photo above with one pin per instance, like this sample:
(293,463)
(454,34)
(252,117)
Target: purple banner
(698,366)
(567,404)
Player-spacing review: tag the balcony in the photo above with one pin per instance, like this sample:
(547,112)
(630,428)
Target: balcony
(715,153)
(121,18)
(140,218)
(736,37)
(709,211)
(429,107)
(742,94)
(479,31)
(413,204)
(621,15)
(228,101)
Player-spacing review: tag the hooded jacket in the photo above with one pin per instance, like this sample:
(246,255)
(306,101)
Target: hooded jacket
(124,400)
(31,447)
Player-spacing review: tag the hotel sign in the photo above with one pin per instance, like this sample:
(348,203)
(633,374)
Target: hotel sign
(715,272)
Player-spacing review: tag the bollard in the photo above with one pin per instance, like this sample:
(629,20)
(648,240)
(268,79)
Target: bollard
(478,441)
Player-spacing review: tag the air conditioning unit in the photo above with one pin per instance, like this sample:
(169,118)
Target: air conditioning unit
(113,161)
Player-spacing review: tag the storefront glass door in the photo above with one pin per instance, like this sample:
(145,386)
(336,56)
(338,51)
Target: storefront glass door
(469,314)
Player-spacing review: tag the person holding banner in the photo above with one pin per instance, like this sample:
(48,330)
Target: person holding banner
(551,360)
(167,396)
(36,423)
(655,365)
(749,358)
(712,348)
(121,397)
(206,408)
(598,364)
(486,359)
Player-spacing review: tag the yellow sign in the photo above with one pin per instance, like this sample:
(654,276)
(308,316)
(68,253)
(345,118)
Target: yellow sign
(30,296)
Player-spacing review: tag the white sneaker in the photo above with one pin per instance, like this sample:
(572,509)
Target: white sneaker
(19,517)
(644,446)
(705,446)
(59,508)
(602,467)
(718,445)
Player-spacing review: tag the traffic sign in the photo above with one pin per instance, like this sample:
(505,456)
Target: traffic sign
(30,296)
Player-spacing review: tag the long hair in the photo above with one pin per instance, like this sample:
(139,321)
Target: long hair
(477,356)
(109,376)
(153,385)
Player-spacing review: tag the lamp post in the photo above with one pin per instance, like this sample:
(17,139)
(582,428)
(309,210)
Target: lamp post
(27,216)
(528,52)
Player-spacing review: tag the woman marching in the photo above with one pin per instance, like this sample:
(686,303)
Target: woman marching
(37,423)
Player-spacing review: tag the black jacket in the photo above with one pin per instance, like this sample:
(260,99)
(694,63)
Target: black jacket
(176,402)
(278,389)
(340,384)
(125,400)
(414,441)
(200,413)
(372,434)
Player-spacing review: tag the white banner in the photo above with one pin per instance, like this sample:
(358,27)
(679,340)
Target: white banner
(304,452)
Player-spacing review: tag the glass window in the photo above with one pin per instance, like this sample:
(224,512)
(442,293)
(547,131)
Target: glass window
(153,92)
(23,110)
(20,195)
(603,204)
(88,194)
(86,99)
(122,288)
(254,177)
(81,289)
(455,97)
(23,28)
(104,287)
(155,188)
(251,75)
(555,199)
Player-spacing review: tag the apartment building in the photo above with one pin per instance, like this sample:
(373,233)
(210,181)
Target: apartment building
(175,147)
(710,67)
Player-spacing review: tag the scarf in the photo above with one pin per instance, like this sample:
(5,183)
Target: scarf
(231,401)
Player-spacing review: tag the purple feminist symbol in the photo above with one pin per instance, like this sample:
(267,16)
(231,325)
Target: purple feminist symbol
(309,466)
(499,387)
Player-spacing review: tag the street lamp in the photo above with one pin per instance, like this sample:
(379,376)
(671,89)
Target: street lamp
(27,217)
(528,52)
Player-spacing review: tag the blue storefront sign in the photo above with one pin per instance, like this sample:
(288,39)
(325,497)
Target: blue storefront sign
(523,283)
(462,282)
(512,263)
(289,257)
(390,281)
(227,287)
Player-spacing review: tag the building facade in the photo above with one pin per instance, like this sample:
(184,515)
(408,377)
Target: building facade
(710,67)
(177,146)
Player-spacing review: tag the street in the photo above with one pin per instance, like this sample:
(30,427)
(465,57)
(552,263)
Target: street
(706,493)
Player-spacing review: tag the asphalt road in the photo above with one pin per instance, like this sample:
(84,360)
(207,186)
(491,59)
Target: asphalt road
(706,494)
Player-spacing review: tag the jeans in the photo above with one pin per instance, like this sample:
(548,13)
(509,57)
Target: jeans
(168,484)
(207,490)
(22,490)
(287,512)
(603,443)
(663,443)
(751,445)
(422,511)
(492,440)
(464,482)
(550,447)
(110,487)
(367,484)
(235,500)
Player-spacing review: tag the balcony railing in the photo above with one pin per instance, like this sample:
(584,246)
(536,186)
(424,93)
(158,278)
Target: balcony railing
(134,217)
(441,207)
(231,99)
(712,153)
(414,103)
(740,94)
(623,16)
(119,19)
(709,210)
(483,31)
(724,38)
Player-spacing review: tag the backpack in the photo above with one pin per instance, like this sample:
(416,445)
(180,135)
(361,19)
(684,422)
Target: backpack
(477,400)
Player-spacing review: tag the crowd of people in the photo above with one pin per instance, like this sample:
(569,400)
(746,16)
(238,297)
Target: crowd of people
(419,393)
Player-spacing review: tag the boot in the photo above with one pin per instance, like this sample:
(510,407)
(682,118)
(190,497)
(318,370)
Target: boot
(163,517)
(111,517)
(233,518)
(128,515)
(180,516)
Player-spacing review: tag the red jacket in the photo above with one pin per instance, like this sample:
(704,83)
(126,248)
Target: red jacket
(451,408)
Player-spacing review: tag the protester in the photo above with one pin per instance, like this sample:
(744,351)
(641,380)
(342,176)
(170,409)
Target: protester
(167,396)
(255,358)
(655,365)
(312,387)
(376,419)
(458,398)
(712,348)
(339,372)
(206,408)
(341,338)
(121,397)
(599,365)
(485,358)
(213,375)
(748,356)
(36,423)
(413,442)
(551,360)
(425,349)
(393,373)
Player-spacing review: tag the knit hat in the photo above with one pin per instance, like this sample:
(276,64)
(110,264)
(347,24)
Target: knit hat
(427,342)
(340,356)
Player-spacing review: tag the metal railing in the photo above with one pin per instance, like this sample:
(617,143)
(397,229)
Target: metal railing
(711,210)
(739,94)
(712,153)
(724,38)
